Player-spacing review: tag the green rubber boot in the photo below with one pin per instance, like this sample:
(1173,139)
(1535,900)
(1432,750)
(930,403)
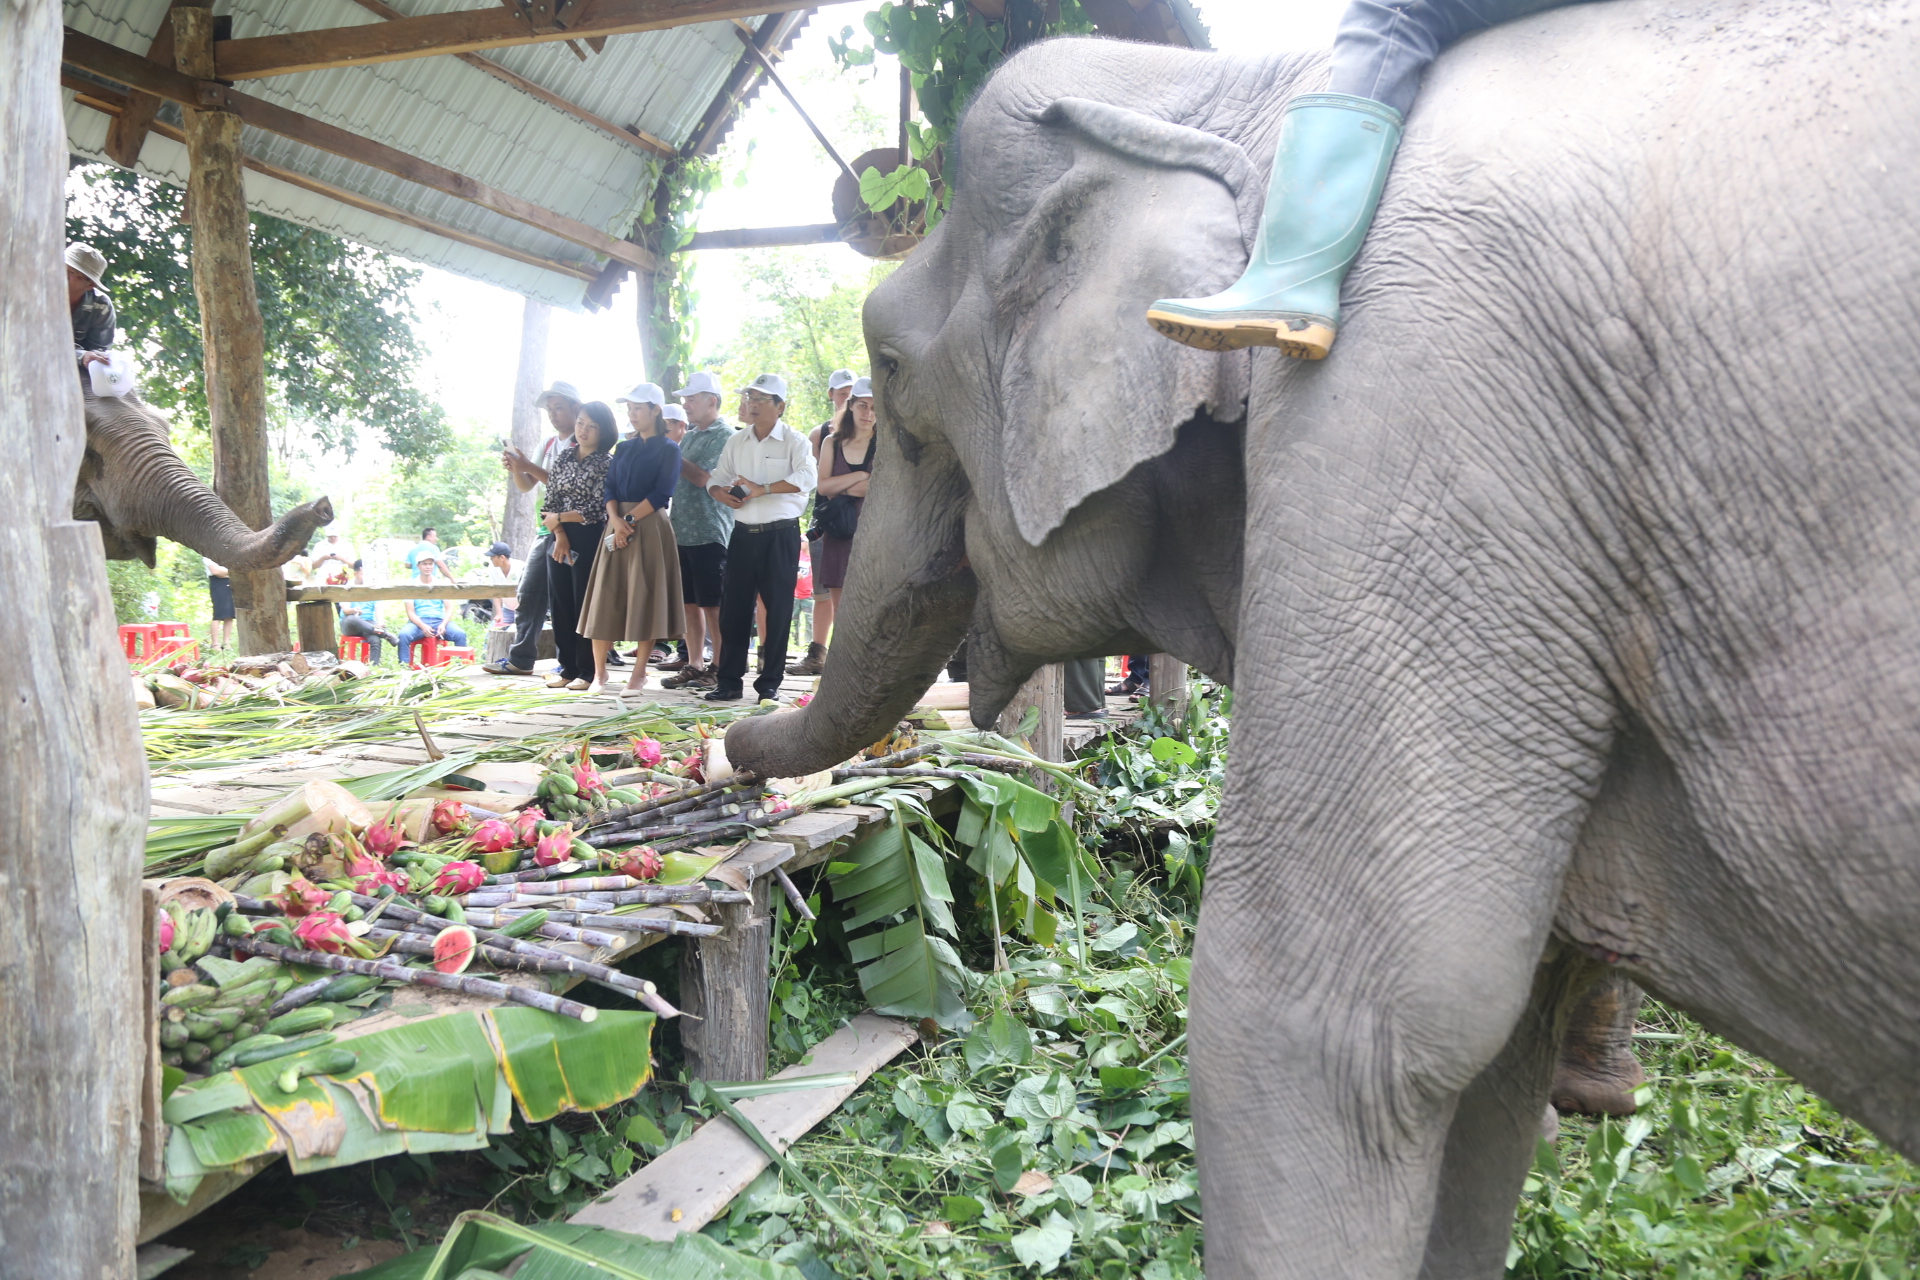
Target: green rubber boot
(1334,153)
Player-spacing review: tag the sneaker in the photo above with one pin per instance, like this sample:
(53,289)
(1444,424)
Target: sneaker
(725,695)
(503,669)
(691,678)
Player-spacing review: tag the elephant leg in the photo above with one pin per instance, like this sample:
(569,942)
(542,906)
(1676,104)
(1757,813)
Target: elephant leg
(1598,1073)
(1499,1124)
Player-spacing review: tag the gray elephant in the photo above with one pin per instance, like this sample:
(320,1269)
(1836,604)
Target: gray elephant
(137,489)
(1575,624)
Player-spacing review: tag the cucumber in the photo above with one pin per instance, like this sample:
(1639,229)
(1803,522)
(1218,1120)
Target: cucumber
(226,1057)
(526,925)
(302,1020)
(321,1062)
(190,997)
(455,912)
(268,1052)
(339,903)
(584,852)
(347,986)
(173,1035)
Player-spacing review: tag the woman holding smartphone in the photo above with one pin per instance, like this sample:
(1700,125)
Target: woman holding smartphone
(576,514)
(634,593)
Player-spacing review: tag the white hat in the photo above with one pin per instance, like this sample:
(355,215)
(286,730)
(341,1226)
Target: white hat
(862,389)
(839,378)
(87,260)
(771,384)
(644,393)
(701,384)
(565,390)
(674,413)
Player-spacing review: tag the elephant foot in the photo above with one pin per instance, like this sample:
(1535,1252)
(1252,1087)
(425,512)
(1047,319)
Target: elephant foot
(1597,1073)
(1550,1125)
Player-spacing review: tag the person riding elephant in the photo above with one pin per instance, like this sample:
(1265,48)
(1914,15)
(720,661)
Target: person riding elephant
(1331,164)
(1570,614)
(93,315)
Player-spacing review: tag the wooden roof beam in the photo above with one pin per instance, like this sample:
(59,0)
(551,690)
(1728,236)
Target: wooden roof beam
(124,67)
(465,31)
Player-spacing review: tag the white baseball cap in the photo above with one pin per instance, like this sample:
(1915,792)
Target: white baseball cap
(87,260)
(565,390)
(644,393)
(862,389)
(839,378)
(771,384)
(701,383)
(674,413)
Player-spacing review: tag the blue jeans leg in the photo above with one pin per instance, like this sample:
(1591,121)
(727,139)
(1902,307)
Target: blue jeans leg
(532,614)
(1383,46)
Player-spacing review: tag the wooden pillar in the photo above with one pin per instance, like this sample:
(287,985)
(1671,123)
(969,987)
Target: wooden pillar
(529,421)
(315,622)
(723,979)
(1047,690)
(1169,681)
(231,331)
(72,1034)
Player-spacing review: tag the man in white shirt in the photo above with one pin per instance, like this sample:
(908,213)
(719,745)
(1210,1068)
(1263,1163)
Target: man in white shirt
(764,476)
(562,403)
(333,558)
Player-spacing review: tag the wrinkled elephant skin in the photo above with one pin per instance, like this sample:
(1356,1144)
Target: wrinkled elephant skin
(136,487)
(1579,609)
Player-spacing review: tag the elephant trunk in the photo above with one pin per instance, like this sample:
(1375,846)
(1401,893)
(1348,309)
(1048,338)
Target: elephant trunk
(907,602)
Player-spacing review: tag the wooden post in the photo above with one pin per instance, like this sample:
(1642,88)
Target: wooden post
(724,981)
(1169,681)
(528,419)
(73,1031)
(230,326)
(317,634)
(1047,690)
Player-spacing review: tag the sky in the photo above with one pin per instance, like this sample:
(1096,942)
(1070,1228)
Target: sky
(472,330)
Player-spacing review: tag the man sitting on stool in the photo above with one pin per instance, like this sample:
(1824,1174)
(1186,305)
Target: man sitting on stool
(427,617)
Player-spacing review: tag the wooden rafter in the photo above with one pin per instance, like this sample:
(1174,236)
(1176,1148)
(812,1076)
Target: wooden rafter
(128,132)
(464,31)
(637,138)
(124,67)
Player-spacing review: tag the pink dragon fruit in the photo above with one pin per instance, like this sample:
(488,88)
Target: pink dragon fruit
(642,863)
(163,924)
(527,825)
(383,839)
(325,931)
(458,878)
(775,804)
(803,700)
(554,849)
(588,779)
(371,883)
(301,897)
(493,835)
(648,753)
(449,816)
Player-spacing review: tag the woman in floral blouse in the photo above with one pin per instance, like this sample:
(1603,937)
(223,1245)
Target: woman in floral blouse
(576,513)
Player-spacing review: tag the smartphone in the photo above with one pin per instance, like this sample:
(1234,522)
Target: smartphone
(737,492)
(606,543)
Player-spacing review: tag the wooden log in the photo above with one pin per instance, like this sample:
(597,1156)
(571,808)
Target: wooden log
(1046,690)
(764,237)
(315,619)
(231,331)
(73,1037)
(1168,676)
(723,989)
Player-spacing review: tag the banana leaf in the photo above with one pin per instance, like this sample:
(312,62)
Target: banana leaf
(483,1244)
(399,782)
(560,1064)
(685,868)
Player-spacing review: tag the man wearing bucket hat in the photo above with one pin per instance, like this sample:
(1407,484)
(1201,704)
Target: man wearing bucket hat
(701,530)
(562,403)
(764,475)
(93,315)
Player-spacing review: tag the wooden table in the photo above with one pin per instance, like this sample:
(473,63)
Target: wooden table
(313,611)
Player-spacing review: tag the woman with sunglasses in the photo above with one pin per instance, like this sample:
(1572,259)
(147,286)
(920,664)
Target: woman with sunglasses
(575,513)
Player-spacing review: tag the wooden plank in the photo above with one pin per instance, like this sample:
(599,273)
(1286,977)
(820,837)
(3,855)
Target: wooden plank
(764,237)
(128,132)
(687,1187)
(153,1130)
(123,66)
(403,591)
(1167,677)
(465,31)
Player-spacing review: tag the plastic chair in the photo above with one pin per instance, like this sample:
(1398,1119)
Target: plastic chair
(426,653)
(140,640)
(173,629)
(353,648)
(182,646)
(450,653)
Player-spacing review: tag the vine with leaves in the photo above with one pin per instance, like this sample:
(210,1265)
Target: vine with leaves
(666,225)
(949,48)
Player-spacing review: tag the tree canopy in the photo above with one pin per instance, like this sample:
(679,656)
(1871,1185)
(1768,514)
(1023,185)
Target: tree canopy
(811,327)
(341,351)
(458,493)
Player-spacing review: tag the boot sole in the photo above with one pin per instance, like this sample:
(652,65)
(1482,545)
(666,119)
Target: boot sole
(1310,343)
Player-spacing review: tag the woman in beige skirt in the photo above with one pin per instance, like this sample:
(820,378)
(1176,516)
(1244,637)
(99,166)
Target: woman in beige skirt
(634,593)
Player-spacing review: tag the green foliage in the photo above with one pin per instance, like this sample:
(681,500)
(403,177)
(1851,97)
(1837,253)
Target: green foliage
(812,327)
(667,223)
(459,492)
(338,319)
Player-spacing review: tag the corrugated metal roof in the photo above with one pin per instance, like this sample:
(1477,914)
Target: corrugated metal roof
(454,114)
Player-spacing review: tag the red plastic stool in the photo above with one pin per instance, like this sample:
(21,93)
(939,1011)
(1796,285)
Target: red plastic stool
(168,646)
(173,629)
(430,648)
(353,648)
(449,653)
(140,640)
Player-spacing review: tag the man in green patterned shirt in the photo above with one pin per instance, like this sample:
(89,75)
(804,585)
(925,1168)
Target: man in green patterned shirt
(701,527)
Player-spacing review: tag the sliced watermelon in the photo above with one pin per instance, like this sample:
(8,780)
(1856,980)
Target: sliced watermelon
(454,949)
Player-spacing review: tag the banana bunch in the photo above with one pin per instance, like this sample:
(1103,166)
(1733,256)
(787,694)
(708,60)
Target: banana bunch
(194,929)
(199,1020)
(561,794)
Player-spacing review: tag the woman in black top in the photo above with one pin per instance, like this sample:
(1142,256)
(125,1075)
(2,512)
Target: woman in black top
(576,513)
(635,591)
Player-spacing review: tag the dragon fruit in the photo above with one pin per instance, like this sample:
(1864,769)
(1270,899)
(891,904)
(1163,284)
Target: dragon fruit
(163,924)
(383,839)
(457,878)
(588,780)
(526,824)
(448,817)
(648,752)
(554,849)
(301,897)
(803,700)
(371,883)
(642,863)
(493,835)
(325,931)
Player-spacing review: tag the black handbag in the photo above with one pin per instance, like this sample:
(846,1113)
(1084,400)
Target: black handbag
(837,516)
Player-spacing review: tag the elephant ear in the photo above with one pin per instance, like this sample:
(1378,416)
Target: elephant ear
(1144,209)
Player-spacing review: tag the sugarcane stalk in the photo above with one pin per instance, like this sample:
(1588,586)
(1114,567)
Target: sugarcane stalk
(917,771)
(792,891)
(903,757)
(545,888)
(612,817)
(394,972)
(305,993)
(559,932)
(540,960)
(626,924)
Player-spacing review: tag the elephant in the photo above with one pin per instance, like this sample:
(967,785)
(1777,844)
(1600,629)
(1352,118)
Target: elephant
(1570,607)
(137,489)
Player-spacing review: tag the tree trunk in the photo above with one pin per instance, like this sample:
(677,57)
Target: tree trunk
(536,321)
(231,330)
(1168,680)
(71,1040)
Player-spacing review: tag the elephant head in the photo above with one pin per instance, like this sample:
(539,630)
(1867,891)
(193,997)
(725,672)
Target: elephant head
(136,487)
(1054,480)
